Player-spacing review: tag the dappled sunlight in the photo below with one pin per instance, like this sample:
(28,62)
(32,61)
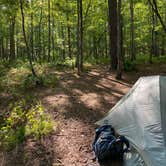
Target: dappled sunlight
(57,101)
(91,100)
(77,92)
(75,103)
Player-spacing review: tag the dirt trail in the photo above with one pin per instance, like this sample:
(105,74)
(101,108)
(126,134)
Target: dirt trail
(78,103)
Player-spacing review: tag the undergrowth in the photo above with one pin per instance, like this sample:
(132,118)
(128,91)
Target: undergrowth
(15,77)
(142,59)
(24,122)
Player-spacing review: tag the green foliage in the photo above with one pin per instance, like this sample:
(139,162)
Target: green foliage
(129,65)
(49,80)
(23,122)
(16,76)
(30,82)
(99,60)
(38,122)
(68,63)
(142,59)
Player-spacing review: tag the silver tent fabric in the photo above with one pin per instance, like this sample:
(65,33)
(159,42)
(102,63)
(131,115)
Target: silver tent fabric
(139,117)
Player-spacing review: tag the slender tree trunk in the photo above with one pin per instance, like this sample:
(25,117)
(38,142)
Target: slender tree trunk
(53,35)
(63,44)
(25,39)
(68,31)
(163,45)
(12,39)
(49,32)
(7,53)
(39,33)
(153,30)
(1,48)
(119,38)
(154,6)
(106,42)
(32,29)
(79,37)
(163,40)
(156,47)
(152,35)
(112,20)
(132,44)
(122,38)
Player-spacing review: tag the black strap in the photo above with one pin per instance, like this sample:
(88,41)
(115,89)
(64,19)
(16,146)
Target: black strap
(125,141)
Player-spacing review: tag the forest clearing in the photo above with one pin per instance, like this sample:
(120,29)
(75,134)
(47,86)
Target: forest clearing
(63,66)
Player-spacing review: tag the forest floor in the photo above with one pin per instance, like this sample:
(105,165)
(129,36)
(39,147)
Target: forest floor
(76,103)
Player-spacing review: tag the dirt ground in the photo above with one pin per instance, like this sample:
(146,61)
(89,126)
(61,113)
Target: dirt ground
(75,104)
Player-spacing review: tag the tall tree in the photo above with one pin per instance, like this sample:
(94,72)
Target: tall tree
(49,31)
(132,44)
(32,30)
(119,38)
(25,38)
(112,21)
(12,38)
(153,3)
(79,60)
(68,29)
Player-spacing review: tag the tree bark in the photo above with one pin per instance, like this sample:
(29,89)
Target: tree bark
(49,31)
(63,43)
(25,39)
(39,33)
(112,21)
(119,38)
(79,60)
(156,46)
(32,29)
(12,39)
(154,6)
(132,44)
(68,32)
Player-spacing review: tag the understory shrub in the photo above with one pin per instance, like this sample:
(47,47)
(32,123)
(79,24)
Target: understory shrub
(24,122)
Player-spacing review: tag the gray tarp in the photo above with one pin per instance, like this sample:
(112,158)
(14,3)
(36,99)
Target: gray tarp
(141,116)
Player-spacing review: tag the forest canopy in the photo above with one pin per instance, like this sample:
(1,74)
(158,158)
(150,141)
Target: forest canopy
(82,31)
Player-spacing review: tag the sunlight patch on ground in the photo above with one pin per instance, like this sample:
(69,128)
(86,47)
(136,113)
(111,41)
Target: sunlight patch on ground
(57,100)
(91,100)
(77,92)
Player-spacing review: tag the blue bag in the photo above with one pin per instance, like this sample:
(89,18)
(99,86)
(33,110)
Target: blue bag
(107,146)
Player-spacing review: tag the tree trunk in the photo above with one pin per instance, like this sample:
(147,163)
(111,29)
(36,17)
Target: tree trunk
(39,33)
(106,42)
(68,32)
(156,47)
(1,48)
(25,39)
(32,45)
(12,40)
(154,6)
(132,44)
(119,38)
(79,60)
(63,44)
(49,32)
(112,20)
(53,40)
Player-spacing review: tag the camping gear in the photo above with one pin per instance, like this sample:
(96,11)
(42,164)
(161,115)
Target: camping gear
(141,117)
(109,146)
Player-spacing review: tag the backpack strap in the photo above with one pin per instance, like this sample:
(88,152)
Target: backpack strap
(100,129)
(124,141)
